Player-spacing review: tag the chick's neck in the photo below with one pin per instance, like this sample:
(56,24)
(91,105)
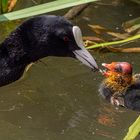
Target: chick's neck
(118,83)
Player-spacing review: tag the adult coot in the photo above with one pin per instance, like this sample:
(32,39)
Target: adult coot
(37,38)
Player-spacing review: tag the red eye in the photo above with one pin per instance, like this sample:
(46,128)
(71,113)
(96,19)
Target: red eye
(65,38)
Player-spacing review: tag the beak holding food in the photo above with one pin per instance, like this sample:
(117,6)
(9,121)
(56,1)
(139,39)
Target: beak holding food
(81,53)
(110,66)
(108,71)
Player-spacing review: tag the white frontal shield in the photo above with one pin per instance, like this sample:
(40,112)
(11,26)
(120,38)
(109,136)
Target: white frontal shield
(82,54)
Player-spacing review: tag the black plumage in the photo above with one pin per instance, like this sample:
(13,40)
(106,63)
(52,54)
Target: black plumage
(34,39)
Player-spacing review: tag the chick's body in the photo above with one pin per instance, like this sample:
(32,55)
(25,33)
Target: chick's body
(120,87)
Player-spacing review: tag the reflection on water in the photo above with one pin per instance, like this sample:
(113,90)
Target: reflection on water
(59,100)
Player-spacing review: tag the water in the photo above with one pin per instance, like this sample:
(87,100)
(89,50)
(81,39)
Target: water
(60,100)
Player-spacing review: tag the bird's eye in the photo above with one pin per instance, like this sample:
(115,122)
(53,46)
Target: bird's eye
(66,39)
(118,68)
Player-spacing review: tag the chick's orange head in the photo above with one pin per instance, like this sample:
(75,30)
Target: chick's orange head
(123,68)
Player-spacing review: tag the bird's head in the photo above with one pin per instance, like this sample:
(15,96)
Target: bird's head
(55,36)
(118,72)
(66,40)
(117,68)
(118,77)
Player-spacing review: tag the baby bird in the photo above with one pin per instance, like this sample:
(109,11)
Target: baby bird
(120,87)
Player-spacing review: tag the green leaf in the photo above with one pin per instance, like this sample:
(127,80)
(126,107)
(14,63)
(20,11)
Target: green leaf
(114,42)
(4,6)
(134,130)
(42,8)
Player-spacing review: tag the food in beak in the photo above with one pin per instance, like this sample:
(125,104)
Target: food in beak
(108,69)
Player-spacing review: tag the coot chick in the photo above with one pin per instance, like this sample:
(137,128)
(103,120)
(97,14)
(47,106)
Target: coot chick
(120,87)
(39,37)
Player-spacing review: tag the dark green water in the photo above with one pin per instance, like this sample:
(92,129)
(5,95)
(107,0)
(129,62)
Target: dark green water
(59,100)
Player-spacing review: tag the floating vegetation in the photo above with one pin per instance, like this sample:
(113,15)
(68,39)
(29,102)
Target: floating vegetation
(101,44)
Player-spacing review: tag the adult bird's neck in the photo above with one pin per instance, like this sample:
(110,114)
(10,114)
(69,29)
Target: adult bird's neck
(22,48)
(14,57)
(12,48)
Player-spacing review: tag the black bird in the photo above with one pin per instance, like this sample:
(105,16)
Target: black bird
(37,38)
(121,87)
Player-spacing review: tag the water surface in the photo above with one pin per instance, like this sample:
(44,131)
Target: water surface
(59,100)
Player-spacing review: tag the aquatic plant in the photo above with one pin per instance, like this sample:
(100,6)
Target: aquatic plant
(103,45)
(114,42)
(134,130)
(4,5)
(7,5)
(42,8)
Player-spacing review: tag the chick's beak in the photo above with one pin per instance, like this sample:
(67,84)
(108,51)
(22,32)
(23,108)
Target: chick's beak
(109,69)
(81,53)
(108,66)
